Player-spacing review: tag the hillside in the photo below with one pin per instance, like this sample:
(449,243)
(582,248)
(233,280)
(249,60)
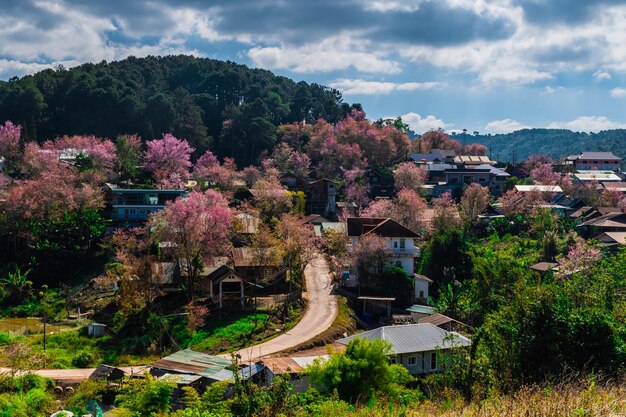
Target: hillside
(554,142)
(187,96)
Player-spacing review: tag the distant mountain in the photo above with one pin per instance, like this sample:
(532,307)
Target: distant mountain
(192,98)
(554,142)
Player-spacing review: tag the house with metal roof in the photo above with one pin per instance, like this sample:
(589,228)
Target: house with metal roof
(134,205)
(420,348)
(596,161)
(189,362)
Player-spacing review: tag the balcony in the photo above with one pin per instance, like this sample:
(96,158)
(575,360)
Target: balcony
(412,252)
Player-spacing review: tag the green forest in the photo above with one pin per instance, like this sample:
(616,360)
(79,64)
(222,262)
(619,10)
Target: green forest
(190,97)
(557,143)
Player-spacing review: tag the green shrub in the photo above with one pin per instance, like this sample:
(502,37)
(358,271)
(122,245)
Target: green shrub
(29,382)
(38,400)
(5,339)
(82,360)
(12,405)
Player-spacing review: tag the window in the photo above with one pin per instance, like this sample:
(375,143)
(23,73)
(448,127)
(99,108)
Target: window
(402,244)
(595,162)
(433,361)
(393,359)
(395,244)
(132,211)
(482,179)
(398,263)
(421,293)
(412,361)
(454,180)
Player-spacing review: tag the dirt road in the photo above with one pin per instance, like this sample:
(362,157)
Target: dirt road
(319,315)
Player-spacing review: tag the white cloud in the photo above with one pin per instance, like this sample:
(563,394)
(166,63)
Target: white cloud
(332,54)
(601,75)
(347,86)
(618,92)
(514,76)
(551,90)
(588,124)
(504,126)
(420,124)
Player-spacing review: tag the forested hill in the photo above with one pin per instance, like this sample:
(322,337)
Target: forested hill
(554,142)
(190,97)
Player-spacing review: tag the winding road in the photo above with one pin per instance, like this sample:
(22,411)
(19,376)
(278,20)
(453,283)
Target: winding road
(319,315)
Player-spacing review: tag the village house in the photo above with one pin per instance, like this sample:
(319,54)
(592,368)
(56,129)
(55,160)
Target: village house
(134,205)
(485,175)
(420,348)
(321,197)
(400,240)
(596,161)
(380,183)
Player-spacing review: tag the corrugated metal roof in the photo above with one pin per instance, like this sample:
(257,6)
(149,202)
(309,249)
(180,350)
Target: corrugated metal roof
(598,155)
(437,320)
(418,308)
(190,362)
(411,338)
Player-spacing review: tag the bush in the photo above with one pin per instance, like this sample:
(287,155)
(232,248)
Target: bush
(39,400)
(5,339)
(82,360)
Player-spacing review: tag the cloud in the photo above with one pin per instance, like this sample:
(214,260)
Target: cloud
(601,75)
(420,124)
(329,55)
(357,86)
(588,124)
(618,92)
(514,76)
(562,11)
(504,126)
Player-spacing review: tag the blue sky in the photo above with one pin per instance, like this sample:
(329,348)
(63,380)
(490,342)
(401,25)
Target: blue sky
(487,65)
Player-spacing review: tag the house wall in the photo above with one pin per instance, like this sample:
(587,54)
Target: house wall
(597,165)
(421,289)
(422,364)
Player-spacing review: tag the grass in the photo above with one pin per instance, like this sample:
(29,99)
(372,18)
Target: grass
(344,323)
(220,335)
(582,399)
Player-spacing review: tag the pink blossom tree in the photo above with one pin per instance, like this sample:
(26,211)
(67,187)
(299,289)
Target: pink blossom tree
(445,213)
(579,258)
(199,225)
(10,142)
(475,149)
(611,198)
(356,189)
(545,175)
(535,161)
(408,176)
(474,201)
(169,159)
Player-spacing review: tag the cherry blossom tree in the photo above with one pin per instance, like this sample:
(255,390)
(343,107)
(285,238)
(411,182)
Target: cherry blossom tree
(199,225)
(446,213)
(611,198)
(475,149)
(297,242)
(369,256)
(408,209)
(169,159)
(356,188)
(10,142)
(545,175)
(474,201)
(534,161)
(579,258)
(330,156)
(102,153)
(209,169)
(408,175)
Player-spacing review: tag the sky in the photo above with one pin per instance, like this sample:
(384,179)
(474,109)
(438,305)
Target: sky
(491,66)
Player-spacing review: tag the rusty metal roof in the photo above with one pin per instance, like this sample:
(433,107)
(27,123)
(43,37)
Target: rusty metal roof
(190,362)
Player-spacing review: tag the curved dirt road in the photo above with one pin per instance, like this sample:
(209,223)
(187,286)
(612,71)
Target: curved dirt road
(320,313)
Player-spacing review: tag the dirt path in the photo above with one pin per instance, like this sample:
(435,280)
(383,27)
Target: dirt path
(319,315)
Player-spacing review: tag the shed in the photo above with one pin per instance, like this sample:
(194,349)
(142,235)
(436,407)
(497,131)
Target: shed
(107,373)
(96,329)
(214,368)
(418,311)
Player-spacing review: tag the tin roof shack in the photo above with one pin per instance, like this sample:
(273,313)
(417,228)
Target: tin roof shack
(188,362)
(290,368)
(418,347)
(107,373)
